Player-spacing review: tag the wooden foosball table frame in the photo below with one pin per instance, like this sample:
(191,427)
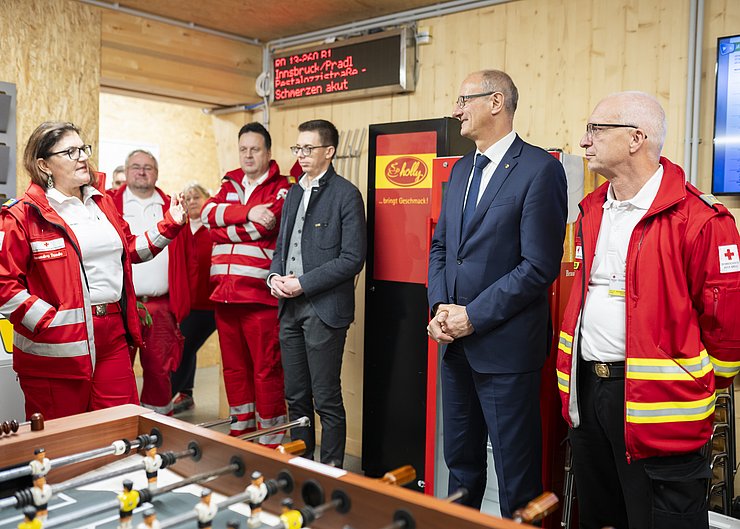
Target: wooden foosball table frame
(373,504)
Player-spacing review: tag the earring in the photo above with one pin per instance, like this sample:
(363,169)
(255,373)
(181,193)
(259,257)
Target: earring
(49,182)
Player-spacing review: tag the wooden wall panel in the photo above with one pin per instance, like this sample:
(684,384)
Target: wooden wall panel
(51,51)
(150,57)
(564,56)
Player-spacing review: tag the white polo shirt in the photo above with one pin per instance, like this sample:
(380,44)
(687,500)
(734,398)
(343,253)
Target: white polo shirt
(150,278)
(603,318)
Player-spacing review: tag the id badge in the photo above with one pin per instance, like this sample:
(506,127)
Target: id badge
(617,285)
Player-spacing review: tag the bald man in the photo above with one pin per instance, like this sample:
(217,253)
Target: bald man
(651,328)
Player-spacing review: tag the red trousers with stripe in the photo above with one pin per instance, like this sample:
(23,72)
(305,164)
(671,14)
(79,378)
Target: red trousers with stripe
(113,381)
(253,373)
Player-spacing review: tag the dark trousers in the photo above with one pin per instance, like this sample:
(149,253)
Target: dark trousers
(312,361)
(196,328)
(502,407)
(653,493)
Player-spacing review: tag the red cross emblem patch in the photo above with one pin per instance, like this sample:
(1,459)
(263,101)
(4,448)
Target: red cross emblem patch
(729,260)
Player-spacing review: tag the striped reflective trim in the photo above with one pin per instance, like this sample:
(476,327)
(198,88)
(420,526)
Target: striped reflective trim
(669,368)
(272,439)
(269,423)
(240,427)
(233,235)
(35,313)
(13,303)
(219,270)
(565,343)
(661,412)
(157,239)
(204,214)
(723,368)
(563,381)
(252,231)
(241,410)
(222,249)
(68,317)
(219,217)
(247,271)
(58,350)
(142,248)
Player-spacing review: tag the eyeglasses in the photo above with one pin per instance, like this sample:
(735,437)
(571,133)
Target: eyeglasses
(592,128)
(306,149)
(463,100)
(147,168)
(74,153)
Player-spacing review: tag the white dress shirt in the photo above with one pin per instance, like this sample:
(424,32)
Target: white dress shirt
(494,153)
(250,186)
(100,245)
(308,188)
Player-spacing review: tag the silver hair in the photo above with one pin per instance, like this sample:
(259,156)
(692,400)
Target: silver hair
(498,81)
(141,151)
(644,111)
(197,187)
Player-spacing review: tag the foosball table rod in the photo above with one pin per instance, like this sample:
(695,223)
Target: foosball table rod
(12,426)
(301,422)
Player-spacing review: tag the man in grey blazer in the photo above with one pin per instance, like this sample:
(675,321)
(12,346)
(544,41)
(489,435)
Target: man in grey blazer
(320,249)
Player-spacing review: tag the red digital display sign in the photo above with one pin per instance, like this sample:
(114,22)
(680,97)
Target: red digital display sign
(351,68)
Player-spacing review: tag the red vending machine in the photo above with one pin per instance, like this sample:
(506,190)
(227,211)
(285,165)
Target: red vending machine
(399,198)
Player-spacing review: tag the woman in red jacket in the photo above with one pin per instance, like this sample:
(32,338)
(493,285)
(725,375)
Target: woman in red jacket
(65,280)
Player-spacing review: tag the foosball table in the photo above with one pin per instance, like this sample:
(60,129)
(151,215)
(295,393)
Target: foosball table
(322,497)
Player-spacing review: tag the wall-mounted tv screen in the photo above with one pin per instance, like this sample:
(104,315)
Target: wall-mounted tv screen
(726,160)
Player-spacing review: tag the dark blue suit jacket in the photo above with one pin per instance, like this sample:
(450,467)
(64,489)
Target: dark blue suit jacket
(503,264)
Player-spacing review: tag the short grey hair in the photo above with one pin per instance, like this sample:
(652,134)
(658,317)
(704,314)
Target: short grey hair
(644,111)
(195,186)
(141,151)
(498,81)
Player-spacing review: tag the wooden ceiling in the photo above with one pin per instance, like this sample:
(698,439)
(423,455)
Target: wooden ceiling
(268,20)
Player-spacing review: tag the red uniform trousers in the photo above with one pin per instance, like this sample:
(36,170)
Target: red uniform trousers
(113,381)
(160,354)
(253,373)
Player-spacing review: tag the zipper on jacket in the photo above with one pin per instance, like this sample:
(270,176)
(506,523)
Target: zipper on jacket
(715,295)
(639,247)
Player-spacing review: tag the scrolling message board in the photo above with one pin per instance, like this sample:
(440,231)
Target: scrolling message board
(378,64)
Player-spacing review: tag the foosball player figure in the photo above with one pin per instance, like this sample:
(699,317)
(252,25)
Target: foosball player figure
(129,500)
(152,464)
(233,524)
(150,520)
(30,521)
(40,464)
(205,509)
(257,491)
(290,517)
(41,494)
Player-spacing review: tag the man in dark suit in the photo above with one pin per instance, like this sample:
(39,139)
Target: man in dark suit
(496,250)
(320,249)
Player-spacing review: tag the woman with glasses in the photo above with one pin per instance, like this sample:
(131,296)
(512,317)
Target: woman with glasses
(65,280)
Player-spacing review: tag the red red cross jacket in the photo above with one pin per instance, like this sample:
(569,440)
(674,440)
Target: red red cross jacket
(243,250)
(682,323)
(42,284)
(182,264)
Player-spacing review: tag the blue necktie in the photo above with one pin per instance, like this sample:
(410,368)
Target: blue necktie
(481,160)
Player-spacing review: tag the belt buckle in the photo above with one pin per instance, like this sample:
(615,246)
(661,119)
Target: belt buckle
(144,299)
(101,310)
(601,370)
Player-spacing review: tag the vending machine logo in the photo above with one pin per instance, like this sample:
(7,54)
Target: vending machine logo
(406,171)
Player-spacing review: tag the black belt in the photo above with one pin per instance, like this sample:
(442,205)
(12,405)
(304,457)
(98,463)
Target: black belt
(147,299)
(606,369)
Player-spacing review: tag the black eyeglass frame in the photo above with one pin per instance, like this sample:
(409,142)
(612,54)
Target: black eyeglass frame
(295,149)
(461,101)
(87,149)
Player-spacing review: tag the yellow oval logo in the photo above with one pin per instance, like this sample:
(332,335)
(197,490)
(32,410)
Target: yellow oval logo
(406,171)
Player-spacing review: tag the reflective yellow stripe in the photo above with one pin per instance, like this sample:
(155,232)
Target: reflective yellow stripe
(725,369)
(662,412)
(565,343)
(669,368)
(563,381)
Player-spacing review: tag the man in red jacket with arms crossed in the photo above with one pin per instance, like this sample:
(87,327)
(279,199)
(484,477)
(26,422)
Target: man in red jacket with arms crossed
(243,222)
(651,328)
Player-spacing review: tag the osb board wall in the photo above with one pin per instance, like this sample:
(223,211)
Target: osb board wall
(722,18)
(51,51)
(151,57)
(564,56)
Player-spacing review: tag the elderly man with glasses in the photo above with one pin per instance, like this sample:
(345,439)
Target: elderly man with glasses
(652,327)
